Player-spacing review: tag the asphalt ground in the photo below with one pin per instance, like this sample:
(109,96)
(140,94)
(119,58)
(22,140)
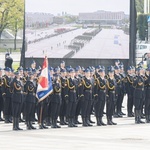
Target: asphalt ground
(125,135)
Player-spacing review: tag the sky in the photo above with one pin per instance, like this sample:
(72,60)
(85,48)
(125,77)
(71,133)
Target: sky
(73,7)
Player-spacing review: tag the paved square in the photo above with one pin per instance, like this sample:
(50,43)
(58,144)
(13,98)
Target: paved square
(125,136)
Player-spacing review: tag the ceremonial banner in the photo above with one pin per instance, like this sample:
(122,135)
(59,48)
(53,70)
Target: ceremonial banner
(45,87)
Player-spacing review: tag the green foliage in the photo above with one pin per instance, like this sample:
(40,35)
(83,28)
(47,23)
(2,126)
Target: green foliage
(142,25)
(11,11)
(140,6)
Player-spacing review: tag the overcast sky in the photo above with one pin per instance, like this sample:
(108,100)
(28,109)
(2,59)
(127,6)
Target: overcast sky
(75,6)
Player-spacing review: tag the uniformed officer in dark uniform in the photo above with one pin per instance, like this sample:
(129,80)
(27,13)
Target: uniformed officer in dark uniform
(33,66)
(56,101)
(147,96)
(87,98)
(118,92)
(100,97)
(17,99)
(30,101)
(129,89)
(110,96)
(78,78)
(1,98)
(7,94)
(63,80)
(71,98)
(138,95)
(123,79)
(8,61)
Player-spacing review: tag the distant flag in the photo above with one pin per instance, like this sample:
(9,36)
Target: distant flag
(45,87)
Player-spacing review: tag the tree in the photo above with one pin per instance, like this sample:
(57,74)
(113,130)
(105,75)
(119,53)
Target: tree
(142,26)
(9,11)
(17,21)
(140,6)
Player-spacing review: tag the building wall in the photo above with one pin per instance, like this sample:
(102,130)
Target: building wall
(102,16)
(33,19)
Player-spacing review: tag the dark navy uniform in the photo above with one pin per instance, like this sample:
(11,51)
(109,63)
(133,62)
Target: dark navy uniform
(100,99)
(30,102)
(55,103)
(110,100)
(7,93)
(8,61)
(63,105)
(17,99)
(119,94)
(129,89)
(71,99)
(1,99)
(79,98)
(147,99)
(139,95)
(87,101)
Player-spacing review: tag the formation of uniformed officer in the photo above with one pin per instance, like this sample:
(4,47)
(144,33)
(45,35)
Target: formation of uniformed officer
(77,92)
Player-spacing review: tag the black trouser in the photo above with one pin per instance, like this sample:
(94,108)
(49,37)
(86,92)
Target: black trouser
(16,109)
(130,104)
(55,109)
(30,110)
(1,105)
(147,106)
(63,108)
(86,108)
(71,107)
(78,108)
(49,106)
(119,102)
(138,102)
(7,107)
(110,105)
(99,108)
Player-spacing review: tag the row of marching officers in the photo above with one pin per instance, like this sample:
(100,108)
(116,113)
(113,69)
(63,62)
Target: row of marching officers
(75,92)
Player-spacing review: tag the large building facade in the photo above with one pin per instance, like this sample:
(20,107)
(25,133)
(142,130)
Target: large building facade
(38,19)
(103,17)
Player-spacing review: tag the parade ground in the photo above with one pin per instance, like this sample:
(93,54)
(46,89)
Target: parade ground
(124,136)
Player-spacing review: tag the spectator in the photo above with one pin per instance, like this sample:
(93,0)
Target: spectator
(8,61)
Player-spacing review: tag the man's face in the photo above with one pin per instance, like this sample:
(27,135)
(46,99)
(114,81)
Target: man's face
(33,65)
(63,74)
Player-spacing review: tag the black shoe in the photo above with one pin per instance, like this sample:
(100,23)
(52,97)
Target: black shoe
(70,125)
(1,119)
(91,121)
(44,127)
(119,115)
(88,123)
(41,127)
(102,123)
(115,116)
(7,121)
(10,120)
(113,123)
(77,122)
(109,122)
(122,113)
(130,115)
